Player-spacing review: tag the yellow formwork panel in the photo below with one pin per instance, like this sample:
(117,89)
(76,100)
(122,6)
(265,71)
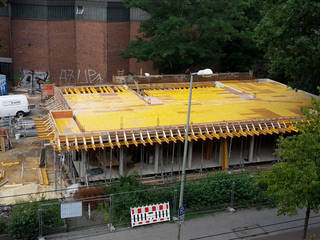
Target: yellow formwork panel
(120,108)
(67,125)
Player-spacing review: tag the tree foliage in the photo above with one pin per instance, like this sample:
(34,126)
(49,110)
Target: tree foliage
(182,34)
(3,3)
(295,181)
(289,33)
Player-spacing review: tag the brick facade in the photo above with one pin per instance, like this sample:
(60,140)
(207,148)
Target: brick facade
(72,51)
(4,36)
(62,57)
(30,45)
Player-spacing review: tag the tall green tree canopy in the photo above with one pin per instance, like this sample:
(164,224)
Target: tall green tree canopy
(295,181)
(289,33)
(3,3)
(182,34)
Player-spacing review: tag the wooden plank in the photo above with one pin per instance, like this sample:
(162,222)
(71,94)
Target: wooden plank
(3,145)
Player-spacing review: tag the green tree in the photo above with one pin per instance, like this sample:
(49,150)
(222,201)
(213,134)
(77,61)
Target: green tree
(289,33)
(3,3)
(182,34)
(295,181)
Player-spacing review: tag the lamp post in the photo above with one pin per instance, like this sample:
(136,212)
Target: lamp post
(200,72)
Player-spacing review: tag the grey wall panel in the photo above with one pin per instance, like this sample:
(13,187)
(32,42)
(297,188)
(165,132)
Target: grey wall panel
(136,14)
(4,11)
(95,10)
(93,13)
(60,12)
(117,12)
(29,11)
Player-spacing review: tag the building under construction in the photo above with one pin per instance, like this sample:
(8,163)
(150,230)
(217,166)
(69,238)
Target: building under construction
(138,124)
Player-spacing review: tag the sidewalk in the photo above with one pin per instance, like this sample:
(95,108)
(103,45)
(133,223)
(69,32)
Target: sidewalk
(243,224)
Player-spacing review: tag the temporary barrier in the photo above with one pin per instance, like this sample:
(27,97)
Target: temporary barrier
(150,214)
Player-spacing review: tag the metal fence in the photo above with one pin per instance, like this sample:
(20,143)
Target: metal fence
(111,212)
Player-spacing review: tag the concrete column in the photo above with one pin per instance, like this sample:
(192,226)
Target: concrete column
(121,165)
(251,149)
(110,167)
(190,154)
(141,160)
(105,164)
(55,169)
(219,148)
(61,165)
(83,164)
(156,158)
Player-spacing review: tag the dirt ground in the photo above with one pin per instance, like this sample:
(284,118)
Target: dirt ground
(24,177)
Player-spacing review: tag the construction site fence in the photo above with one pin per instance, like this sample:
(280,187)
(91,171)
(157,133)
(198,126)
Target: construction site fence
(111,212)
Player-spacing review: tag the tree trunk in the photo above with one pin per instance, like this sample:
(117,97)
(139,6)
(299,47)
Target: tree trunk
(306,222)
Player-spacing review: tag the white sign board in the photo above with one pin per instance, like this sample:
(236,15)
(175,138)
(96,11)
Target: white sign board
(71,209)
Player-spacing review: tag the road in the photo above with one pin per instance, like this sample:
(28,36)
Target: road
(243,224)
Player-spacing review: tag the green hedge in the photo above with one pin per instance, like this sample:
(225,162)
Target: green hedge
(211,192)
(24,219)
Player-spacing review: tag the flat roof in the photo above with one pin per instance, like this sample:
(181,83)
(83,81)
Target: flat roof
(119,110)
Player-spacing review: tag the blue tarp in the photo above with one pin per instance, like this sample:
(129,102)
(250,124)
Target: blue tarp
(3,85)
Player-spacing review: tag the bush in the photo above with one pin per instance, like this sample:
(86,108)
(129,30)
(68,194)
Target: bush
(3,226)
(213,191)
(24,219)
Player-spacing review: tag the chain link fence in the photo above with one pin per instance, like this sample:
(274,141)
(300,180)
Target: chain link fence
(107,209)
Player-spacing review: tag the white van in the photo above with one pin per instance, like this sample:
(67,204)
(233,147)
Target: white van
(14,105)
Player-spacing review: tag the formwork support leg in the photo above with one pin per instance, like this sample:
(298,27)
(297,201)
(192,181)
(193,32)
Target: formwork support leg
(190,155)
(121,165)
(3,145)
(224,146)
(156,158)
(251,149)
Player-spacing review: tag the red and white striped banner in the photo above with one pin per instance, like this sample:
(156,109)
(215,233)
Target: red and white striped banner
(150,214)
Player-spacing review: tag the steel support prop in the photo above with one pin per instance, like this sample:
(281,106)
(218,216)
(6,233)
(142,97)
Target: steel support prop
(224,154)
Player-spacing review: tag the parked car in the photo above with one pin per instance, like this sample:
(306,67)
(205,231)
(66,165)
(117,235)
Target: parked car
(14,105)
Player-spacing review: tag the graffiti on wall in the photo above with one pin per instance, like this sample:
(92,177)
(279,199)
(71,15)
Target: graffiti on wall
(33,79)
(87,76)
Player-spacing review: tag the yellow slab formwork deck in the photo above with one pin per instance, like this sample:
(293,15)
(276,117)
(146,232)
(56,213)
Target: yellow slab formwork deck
(125,110)
(120,110)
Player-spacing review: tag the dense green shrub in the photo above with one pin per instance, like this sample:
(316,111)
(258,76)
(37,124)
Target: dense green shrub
(3,226)
(213,191)
(24,219)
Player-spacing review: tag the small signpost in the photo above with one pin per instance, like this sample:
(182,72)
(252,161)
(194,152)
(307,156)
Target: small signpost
(181,213)
(71,209)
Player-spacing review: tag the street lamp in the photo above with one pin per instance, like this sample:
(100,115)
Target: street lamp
(200,72)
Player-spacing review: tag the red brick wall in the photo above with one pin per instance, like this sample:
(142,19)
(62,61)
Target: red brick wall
(30,45)
(5,36)
(74,52)
(134,66)
(91,51)
(118,38)
(62,58)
